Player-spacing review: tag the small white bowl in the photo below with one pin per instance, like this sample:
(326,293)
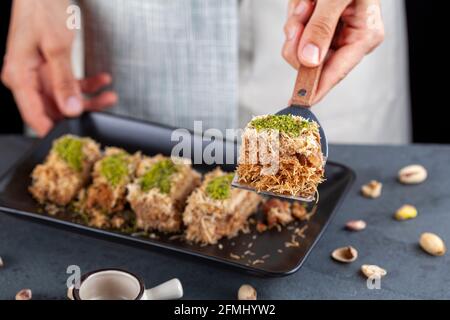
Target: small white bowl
(117,284)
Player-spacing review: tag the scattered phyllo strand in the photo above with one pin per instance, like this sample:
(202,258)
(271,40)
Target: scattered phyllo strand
(107,193)
(281,154)
(159,192)
(215,210)
(65,170)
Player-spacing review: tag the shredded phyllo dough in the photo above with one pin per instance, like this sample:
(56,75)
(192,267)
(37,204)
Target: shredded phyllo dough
(139,195)
(294,143)
(159,192)
(106,194)
(65,171)
(215,210)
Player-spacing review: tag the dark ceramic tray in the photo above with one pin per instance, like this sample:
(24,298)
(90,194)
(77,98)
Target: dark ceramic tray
(152,138)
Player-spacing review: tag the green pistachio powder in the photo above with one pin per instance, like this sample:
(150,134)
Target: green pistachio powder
(114,168)
(71,151)
(158,176)
(283,123)
(219,187)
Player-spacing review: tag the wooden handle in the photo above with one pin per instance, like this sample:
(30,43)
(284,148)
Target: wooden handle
(306,85)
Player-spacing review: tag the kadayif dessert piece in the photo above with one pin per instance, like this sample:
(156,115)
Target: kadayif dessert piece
(107,193)
(65,171)
(215,210)
(159,192)
(281,154)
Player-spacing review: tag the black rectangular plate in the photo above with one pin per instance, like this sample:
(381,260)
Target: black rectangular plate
(152,138)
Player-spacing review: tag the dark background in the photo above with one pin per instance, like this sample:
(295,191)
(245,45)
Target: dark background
(10,121)
(428,38)
(427,43)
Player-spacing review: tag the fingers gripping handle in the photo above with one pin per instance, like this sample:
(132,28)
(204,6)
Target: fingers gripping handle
(306,85)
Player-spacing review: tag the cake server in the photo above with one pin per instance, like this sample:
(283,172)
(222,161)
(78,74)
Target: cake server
(302,97)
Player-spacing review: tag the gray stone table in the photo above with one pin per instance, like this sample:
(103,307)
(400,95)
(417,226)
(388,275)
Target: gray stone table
(36,256)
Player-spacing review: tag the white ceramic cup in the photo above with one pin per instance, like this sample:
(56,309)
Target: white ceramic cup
(117,284)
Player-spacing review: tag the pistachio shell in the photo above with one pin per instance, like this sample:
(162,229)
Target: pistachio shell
(432,244)
(24,294)
(372,189)
(246,292)
(345,254)
(406,212)
(356,225)
(370,270)
(412,174)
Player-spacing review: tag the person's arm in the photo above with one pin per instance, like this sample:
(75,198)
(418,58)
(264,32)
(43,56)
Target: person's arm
(37,66)
(338,33)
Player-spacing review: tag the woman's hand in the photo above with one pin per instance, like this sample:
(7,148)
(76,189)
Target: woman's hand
(37,66)
(337,32)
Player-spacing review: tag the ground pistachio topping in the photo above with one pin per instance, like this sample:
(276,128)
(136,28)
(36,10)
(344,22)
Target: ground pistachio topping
(70,149)
(159,176)
(283,123)
(219,188)
(114,168)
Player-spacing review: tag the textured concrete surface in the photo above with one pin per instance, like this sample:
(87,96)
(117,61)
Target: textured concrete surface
(36,256)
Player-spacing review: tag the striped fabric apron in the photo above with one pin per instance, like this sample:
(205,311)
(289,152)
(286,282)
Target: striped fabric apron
(172,61)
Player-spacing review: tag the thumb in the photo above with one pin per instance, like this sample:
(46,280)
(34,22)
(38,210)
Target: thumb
(66,88)
(319,32)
